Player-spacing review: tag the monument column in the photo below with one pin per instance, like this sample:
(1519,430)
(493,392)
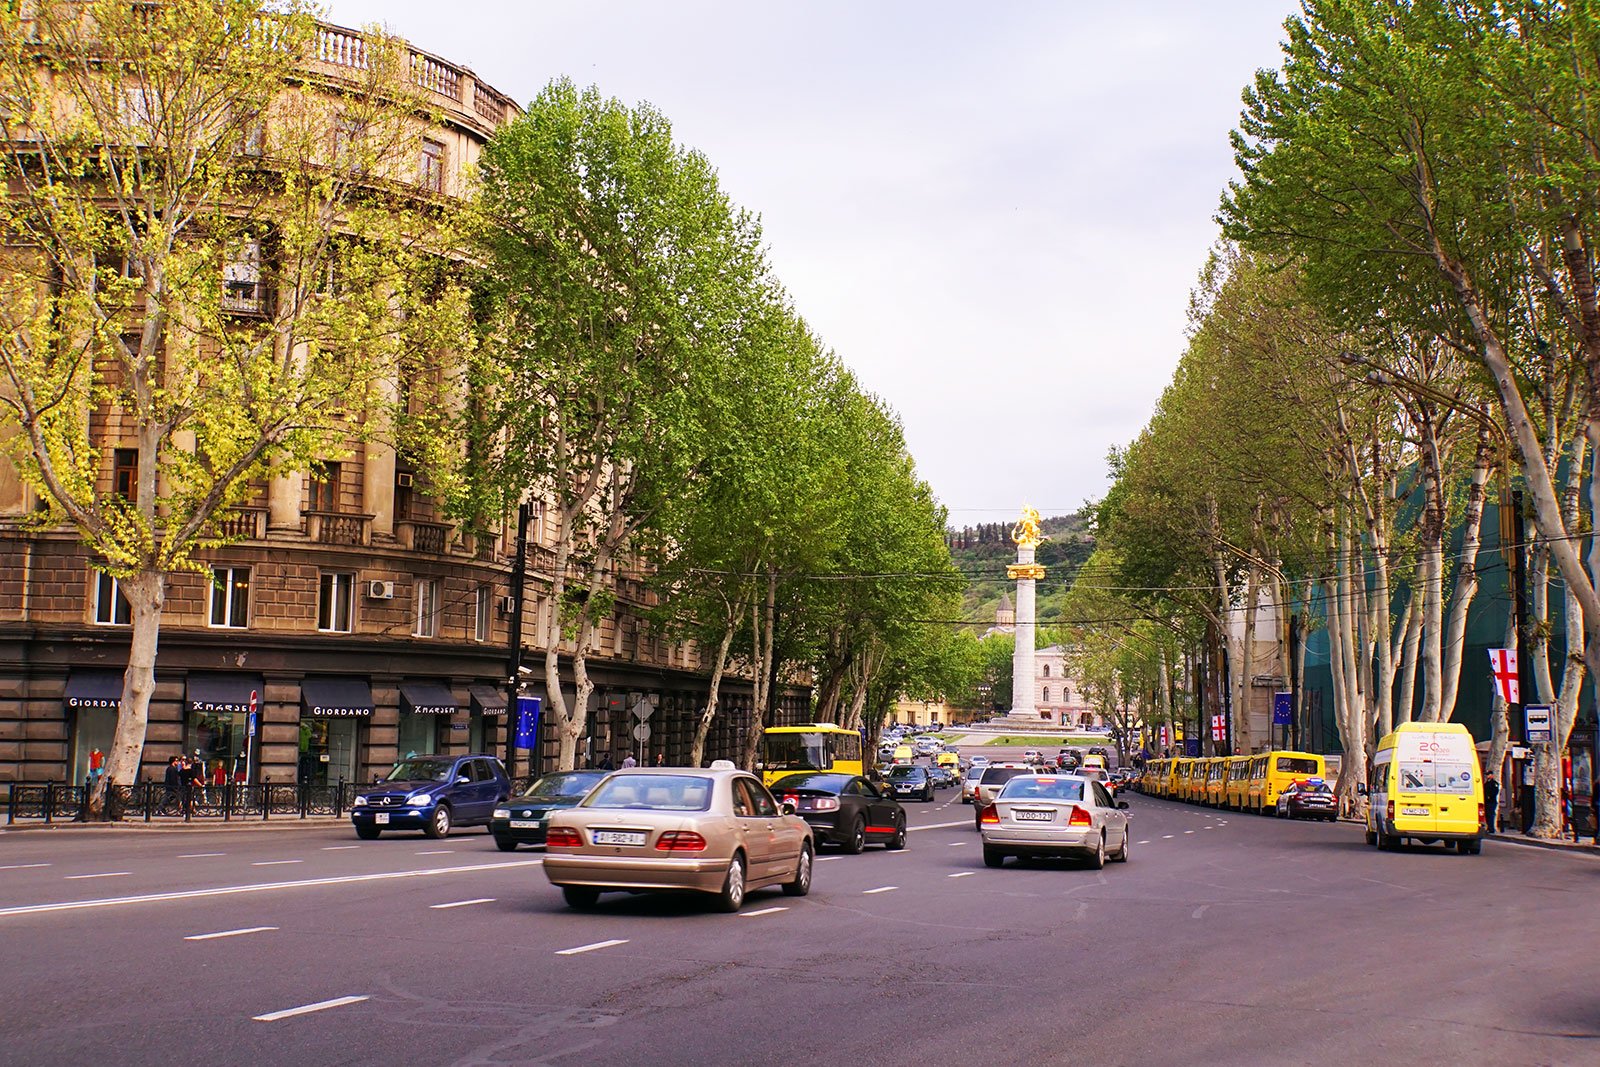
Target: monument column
(1025,572)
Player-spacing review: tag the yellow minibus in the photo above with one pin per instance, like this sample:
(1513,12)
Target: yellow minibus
(1216,768)
(1426,786)
(815,746)
(1236,785)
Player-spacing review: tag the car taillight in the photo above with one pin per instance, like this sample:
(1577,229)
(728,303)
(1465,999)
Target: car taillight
(680,841)
(562,837)
(825,804)
(990,816)
(1080,817)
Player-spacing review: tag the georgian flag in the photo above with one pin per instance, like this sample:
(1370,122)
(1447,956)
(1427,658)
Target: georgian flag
(1503,665)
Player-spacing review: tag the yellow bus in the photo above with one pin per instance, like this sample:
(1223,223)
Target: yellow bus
(812,746)
(1154,777)
(1194,789)
(1271,772)
(1216,782)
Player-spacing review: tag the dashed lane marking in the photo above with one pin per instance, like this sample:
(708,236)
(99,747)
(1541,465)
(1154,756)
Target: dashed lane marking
(956,844)
(597,946)
(1167,837)
(1188,831)
(939,825)
(825,859)
(1144,842)
(107,874)
(22,866)
(1199,912)
(962,874)
(762,911)
(200,855)
(259,887)
(438,852)
(462,903)
(230,933)
(306,1009)
(880,889)
(338,848)
(273,863)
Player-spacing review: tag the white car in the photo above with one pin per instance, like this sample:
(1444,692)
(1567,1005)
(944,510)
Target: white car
(1054,815)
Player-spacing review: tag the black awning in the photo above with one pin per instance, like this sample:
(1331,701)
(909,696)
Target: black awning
(487,700)
(222,694)
(94,689)
(325,698)
(427,698)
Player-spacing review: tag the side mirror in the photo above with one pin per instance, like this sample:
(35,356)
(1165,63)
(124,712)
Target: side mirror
(788,808)
(1123,805)
(462,779)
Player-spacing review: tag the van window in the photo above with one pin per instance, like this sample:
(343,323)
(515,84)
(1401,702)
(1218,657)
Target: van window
(1293,765)
(1452,778)
(1416,777)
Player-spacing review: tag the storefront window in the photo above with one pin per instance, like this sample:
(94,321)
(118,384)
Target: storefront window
(419,734)
(328,750)
(219,737)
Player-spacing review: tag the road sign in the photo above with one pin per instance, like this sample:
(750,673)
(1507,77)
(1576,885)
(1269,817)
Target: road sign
(1283,709)
(1537,718)
(641,732)
(251,728)
(643,709)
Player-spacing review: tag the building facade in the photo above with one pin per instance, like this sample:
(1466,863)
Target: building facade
(347,620)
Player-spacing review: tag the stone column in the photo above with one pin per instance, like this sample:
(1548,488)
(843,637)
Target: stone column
(378,465)
(285,495)
(1024,696)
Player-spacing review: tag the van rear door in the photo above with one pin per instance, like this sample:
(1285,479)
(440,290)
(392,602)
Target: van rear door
(1414,799)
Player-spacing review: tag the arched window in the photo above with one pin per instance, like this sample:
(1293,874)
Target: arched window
(1047,673)
(1047,691)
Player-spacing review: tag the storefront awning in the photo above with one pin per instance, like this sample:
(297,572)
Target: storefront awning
(222,694)
(487,700)
(337,698)
(426,698)
(94,689)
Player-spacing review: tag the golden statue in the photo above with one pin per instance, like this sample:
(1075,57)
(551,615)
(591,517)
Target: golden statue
(1026,532)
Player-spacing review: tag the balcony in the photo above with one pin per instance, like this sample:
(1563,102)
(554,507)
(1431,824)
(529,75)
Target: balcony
(420,536)
(455,87)
(242,524)
(338,528)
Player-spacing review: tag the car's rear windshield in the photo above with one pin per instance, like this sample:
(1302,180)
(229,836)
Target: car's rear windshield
(570,784)
(1042,789)
(662,792)
(996,775)
(822,783)
(1293,765)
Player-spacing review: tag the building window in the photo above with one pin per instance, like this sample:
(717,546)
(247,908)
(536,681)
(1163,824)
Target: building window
(242,287)
(430,171)
(481,614)
(110,606)
(336,603)
(230,596)
(125,473)
(1047,688)
(427,608)
(325,488)
(1047,674)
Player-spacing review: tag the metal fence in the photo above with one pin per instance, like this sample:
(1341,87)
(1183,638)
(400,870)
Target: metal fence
(53,802)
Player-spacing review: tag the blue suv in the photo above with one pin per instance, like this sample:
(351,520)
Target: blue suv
(432,794)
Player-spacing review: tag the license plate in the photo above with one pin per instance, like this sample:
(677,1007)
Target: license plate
(381,817)
(524,824)
(1415,811)
(618,837)
(1033,816)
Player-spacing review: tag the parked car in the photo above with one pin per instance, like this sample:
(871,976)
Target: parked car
(524,818)
(715,831)
(911,781)
(1309,799)
(844,810)
(1054,815)
(432,794)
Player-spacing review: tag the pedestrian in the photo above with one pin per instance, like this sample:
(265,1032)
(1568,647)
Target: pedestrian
(628,762)
(1491,803)
(606,763)
(197,775)
(172,781)
(661,759)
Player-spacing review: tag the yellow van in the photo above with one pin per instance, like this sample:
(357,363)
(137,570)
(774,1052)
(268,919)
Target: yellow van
(1256,782)
(948,759)
(1194,790)
(1216,782)
(1426,786)
(903,754)
(1236,784)
(1276,771)
(1153,778)
(1172,788)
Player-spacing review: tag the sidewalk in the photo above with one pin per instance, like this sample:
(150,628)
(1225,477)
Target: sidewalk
(171,825)
(1559,844)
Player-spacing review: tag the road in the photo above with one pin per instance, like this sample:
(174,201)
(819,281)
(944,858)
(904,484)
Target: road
(1227,939)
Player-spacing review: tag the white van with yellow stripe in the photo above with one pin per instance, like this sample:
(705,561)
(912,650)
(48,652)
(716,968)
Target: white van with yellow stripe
(1426,787)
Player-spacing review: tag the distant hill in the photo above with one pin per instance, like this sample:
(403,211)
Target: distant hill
(982,552)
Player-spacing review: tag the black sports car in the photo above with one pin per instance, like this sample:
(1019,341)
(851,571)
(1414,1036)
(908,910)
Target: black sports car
(844,809)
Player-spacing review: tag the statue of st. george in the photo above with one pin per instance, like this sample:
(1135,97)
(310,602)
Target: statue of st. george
(1026,531)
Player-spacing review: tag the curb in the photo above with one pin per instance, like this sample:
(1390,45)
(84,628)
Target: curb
(1562,845)
(287,823)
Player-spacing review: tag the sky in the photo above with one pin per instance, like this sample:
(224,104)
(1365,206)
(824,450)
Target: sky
(993,212)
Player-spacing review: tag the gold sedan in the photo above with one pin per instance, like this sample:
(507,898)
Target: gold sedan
(714,831)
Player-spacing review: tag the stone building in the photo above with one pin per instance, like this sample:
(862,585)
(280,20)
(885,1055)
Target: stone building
(359,622)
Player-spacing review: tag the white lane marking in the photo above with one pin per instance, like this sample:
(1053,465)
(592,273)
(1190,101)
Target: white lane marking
(462,903)
(1167,837)
(594,947)
(230,933)
(939,825)
(880,889)
(825,859)
(1145,842)
(1188,831)
(956,844)
(1205,827)
(258,887)
(108,874)
(337,848)
(273,863)
(1200,911)
(962,874)
(438,852)
(306,1009)
(762,911)
(22,866)
(200,855)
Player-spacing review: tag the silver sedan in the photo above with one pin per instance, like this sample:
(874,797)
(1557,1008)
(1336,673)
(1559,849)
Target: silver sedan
(1054,815)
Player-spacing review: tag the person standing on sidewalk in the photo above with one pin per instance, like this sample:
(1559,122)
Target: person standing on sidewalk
(173,782)
(1491,803)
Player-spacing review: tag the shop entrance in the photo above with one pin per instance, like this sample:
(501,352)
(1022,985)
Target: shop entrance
(419,735)
(92,728)
(328,750)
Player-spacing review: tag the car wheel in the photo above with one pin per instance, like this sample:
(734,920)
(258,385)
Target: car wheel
(580,897)
(505,844)
(898,841)
(1122,853)
(732,896)
(992,858)
(1097,858)
(367,833)
(1372,838)
(1475,847)
(439,824)
(858,837)
(802,875)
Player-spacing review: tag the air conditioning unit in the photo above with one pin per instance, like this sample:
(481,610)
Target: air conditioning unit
(380,590)
(508,604)
(405,479)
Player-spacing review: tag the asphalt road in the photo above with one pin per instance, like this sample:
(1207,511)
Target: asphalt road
(1227,939)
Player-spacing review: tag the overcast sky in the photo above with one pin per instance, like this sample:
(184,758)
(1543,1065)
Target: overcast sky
(993,212)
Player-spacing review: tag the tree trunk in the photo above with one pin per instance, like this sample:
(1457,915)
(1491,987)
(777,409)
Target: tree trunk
(719,664)
(1466,584)
(146,595)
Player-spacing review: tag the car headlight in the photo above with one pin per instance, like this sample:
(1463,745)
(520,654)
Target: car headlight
(502,813)
(359,802)
(419,800)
